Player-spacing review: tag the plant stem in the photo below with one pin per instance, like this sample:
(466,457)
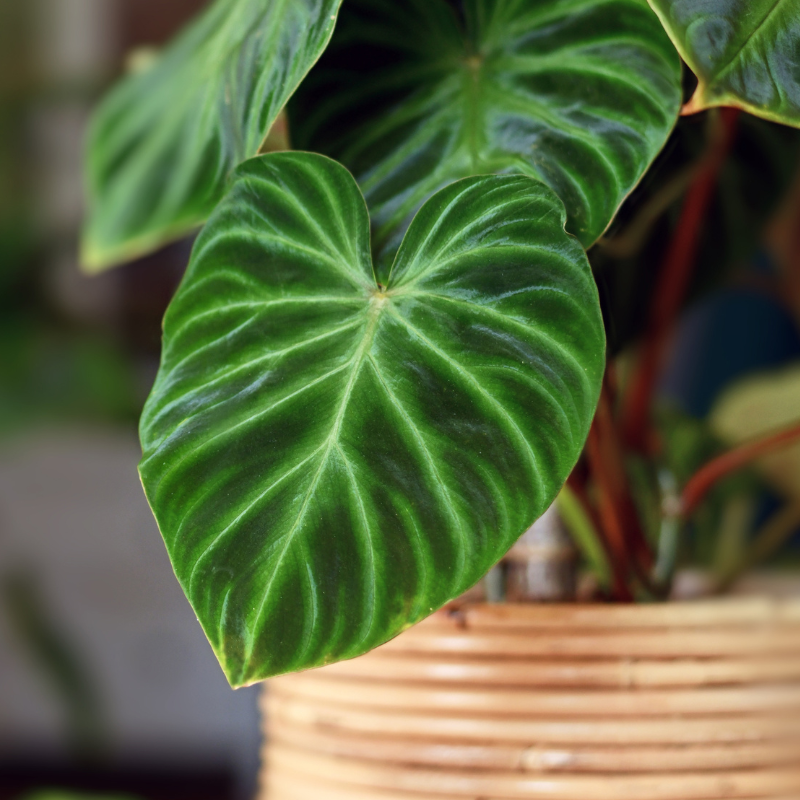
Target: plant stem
(673,283)
(610,516)
(734,527)
(609,470)
(772,535)
(704,479)
(586,535)
(621,592)
(669,533)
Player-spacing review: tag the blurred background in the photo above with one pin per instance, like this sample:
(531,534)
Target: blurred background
(106,680)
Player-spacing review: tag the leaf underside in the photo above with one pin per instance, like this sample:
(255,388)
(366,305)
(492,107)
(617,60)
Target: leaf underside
(745,53)
(409,96)
(329,459)
(164,142)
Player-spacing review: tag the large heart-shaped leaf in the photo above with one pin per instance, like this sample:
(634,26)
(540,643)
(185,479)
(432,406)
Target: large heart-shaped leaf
(745,53)
(163,144)
(580,93)
(330,459)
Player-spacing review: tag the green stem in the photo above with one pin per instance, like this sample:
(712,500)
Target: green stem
(585,536)
(669,534)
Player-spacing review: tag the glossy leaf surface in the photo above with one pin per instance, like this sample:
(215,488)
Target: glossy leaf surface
(580,93)
(330,460)
(164,142)
(745,53)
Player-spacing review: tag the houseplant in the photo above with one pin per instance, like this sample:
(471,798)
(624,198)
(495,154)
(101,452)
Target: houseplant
(378,373)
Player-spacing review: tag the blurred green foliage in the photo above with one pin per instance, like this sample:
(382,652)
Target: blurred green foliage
(688,444)
(58,661)
(52,370)
(50,375)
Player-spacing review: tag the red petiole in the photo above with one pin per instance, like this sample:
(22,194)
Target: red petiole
(673,283)
(708,476)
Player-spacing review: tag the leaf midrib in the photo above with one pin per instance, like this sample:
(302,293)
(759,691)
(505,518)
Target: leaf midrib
(377,304)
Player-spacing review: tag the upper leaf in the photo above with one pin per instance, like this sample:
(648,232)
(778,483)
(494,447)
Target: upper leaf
(164,142)
(745,53)
(329,459)
(580,93)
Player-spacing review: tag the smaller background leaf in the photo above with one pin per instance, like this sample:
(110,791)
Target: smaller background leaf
(745,53)
(164,142)
(760,405)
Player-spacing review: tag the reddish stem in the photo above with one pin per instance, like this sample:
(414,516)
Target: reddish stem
(673,283)
(617,478)
(620,590)
(706,477)
(610,517)
(619,520)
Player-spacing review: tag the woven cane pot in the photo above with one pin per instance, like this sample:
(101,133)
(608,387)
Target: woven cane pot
(682,701)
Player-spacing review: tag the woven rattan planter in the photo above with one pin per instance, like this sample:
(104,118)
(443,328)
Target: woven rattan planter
(683,701)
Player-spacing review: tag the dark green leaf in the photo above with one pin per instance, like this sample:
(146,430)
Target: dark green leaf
(330,460)
(745,53)
(164,142)
(580,93)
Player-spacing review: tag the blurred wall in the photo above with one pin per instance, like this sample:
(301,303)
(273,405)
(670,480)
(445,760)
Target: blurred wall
(104,671)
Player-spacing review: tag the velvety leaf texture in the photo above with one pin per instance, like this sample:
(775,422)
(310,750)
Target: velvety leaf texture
(412,95)
(164,142)
(745,53)
(330,459)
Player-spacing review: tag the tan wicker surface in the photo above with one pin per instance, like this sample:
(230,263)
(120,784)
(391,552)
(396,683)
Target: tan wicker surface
(683,701)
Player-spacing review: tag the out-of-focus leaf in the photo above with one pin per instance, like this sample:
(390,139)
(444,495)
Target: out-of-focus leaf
(331,459)
(688,443)
(58,660)
(163,144)
(50,376)
(760,405)
(410,96)
(745,53)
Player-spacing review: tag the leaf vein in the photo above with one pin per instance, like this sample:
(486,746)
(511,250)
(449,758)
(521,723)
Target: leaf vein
(476,384)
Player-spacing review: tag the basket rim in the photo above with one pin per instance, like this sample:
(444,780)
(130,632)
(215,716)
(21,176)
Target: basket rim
(734,612)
